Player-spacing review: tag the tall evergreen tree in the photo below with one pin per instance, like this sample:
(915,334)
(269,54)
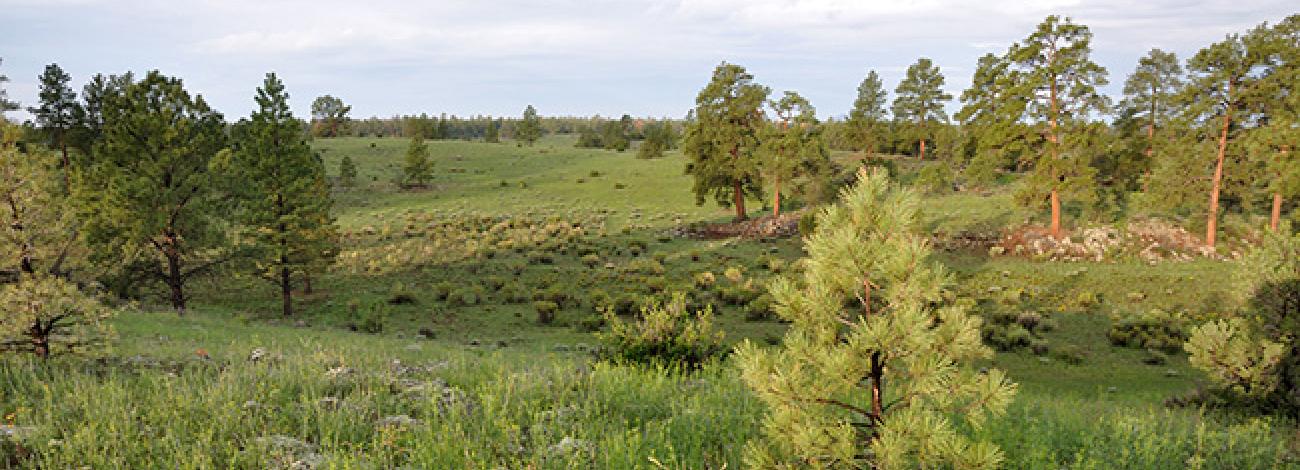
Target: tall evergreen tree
(1059,79)
(1150,90)
(1221,88)
(38,233)
(417,170)
(1274,143)
(920,99)
(90,113)
(329,116)
(793,146)
(283,199)
(991,115)
(660,136)
(722,139)
(5,103)
(529,128)
(877,361)
(866,119)
(150,188)
(57,112)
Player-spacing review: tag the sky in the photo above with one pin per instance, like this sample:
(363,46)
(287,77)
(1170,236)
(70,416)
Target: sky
(568,57)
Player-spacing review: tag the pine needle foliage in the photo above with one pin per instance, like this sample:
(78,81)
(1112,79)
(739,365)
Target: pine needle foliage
(874,370)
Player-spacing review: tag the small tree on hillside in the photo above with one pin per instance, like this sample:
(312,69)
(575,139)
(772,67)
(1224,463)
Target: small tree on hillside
(1059,79)
(46,314)
(492,134)
(284,203)
(329,116)
(660,136)
(57,113)
(867,118)
(529,129)
(793,146)
(722,139)
(920,99)
(418,169)
(876,361)
(150,187)
(347,172)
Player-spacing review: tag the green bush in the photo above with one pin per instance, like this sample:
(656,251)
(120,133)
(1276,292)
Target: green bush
(546,311)
(1155,329)
(666,335)
(464,296)
(442,290)
(935,178)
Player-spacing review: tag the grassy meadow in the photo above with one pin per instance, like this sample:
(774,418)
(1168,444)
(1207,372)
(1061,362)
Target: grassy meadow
(421,347)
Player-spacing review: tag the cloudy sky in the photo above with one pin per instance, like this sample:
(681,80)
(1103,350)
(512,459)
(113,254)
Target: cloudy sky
(567,57)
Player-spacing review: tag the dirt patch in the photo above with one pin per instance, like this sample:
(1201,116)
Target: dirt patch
(786,225)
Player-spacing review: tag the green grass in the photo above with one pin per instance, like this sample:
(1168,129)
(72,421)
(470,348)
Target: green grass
(154,402)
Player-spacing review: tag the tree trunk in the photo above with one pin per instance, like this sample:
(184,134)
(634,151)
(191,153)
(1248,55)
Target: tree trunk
(176,281)
(922,149)
(1277,212)
(1056,214)
(1055,142)
(1212,218)
(286,288)
(738,197)
(306,282)
(776,199)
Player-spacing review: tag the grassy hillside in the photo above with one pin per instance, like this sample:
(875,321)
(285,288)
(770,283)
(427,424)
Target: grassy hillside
(456,372)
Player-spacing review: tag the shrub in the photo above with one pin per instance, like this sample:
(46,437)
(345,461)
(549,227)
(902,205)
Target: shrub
(45,315)
(667,334)
(399,294)
(760,308)
(1155,329)
(442,290)
(514,293)
(494,283)
(540,257)
(1070,354)
(546,311)
(464,296)
(705,280)
(807,223)
(590,324)
(591,260)
(935,178)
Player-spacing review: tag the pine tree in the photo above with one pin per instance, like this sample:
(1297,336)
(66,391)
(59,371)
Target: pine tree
(659,138)
(1220,89)
(1274,144)
(868,114)
(529,128)
(44,314)
(347,172)
(875,384)
(991,115)
(1255,356)
(1149,93)
(920,98)
(58,110)
(1059,80)
(37,229)
(5,103)
(418,169)
(793,146)
(722,138)
(89,127)
(150,187)
(283,201)
(329,116)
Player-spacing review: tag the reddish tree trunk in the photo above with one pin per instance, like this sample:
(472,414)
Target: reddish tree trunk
(1277,212)
(922,149)
(776,199)
(1056,215)
(176,283)
(1212,218)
